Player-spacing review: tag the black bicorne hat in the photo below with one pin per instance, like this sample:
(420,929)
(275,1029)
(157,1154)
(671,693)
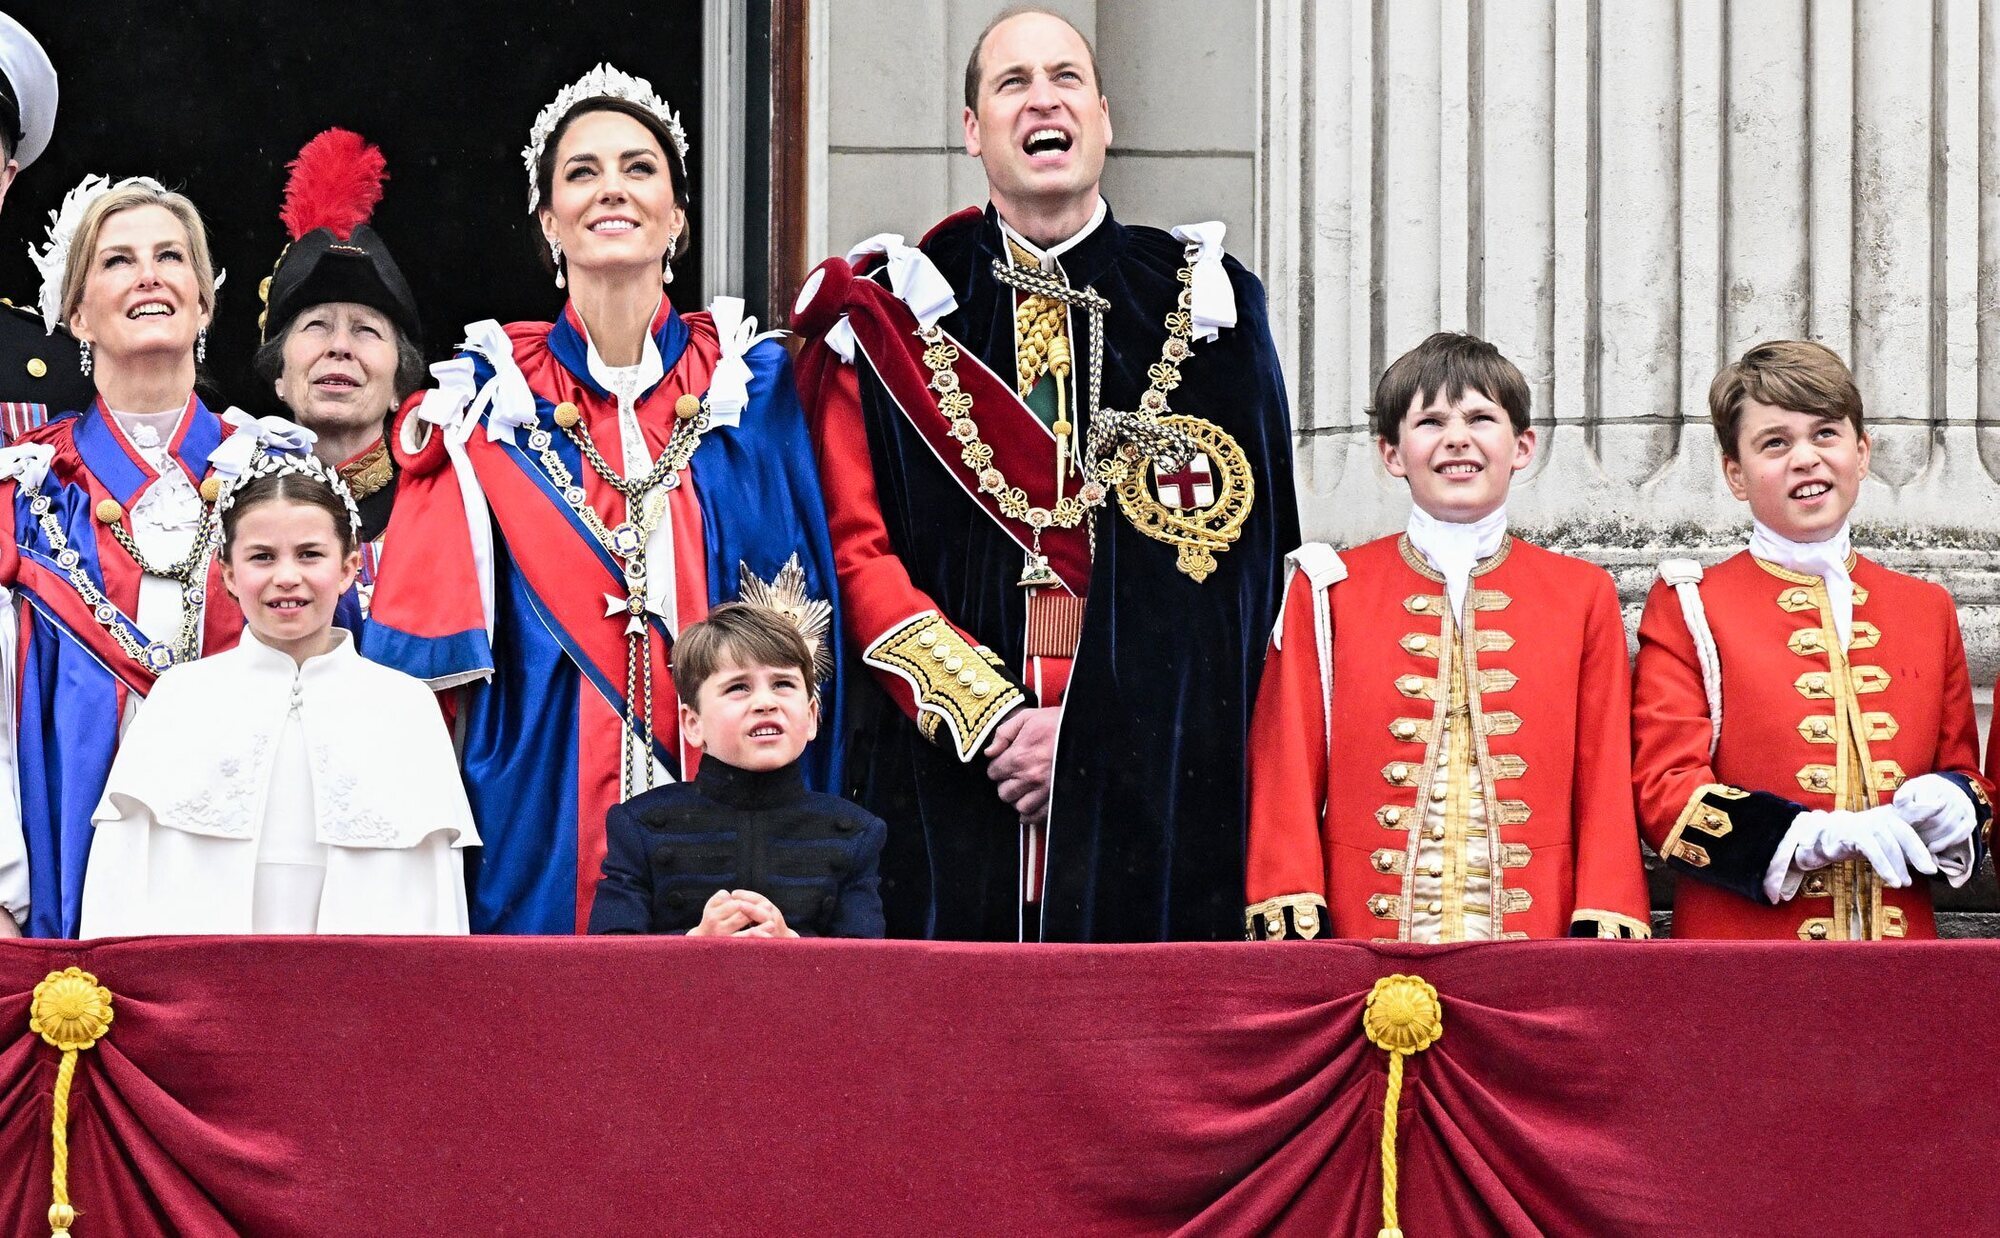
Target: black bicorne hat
(335,255)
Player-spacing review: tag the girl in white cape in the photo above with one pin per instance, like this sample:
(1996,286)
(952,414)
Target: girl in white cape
(288,785)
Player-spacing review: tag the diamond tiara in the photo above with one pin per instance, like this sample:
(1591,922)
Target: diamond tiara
(603,82)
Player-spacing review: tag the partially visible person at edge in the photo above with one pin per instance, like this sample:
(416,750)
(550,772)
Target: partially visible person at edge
(636,467)
(107,561)
(288,785)
(39,375)
(1805,755)
(1059,408)
(342,342)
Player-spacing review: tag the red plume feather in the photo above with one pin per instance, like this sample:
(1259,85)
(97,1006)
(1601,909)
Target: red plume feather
(335,183)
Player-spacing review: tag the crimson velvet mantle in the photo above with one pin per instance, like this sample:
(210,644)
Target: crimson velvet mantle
(639,1086)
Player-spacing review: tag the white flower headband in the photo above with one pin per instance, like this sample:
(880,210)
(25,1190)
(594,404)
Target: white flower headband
(602,82)
(266,446)
(52,260)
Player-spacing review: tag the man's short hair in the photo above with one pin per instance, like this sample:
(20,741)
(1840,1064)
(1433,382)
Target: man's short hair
(738,634)
(1452,363)
(974,73)
(1792,374)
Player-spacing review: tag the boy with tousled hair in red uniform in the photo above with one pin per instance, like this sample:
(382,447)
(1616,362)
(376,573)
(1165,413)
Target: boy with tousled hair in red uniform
(1439,751)
(1804,741)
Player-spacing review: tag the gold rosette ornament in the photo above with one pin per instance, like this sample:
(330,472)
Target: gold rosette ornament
(1401,1016)
(72,1012)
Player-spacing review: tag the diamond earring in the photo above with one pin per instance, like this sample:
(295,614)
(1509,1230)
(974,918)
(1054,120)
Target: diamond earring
(83,357)
(667,274)
(555,254)
(201,346)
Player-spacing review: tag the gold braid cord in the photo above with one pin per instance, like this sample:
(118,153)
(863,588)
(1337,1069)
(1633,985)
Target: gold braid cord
(1402,1016)
(72,1012)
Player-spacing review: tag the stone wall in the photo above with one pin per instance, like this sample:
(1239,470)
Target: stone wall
(1623,194)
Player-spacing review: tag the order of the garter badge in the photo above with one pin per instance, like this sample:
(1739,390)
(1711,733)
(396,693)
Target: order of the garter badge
(1199,507)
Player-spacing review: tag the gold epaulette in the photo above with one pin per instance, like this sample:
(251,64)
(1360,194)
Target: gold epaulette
(958,685)
(1288,915)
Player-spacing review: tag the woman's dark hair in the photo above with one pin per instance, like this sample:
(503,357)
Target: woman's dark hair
(291,488)
(268,362)
(545,167)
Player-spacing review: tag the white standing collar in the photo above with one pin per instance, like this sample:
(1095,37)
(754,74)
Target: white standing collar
(1825,559)
(1047,257)
(1455,549)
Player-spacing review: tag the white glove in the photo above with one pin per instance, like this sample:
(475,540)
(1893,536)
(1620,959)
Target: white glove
(1942,814)
(1878,835)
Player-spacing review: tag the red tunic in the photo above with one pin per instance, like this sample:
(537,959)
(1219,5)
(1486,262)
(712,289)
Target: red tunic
(1339,779)
(1805,725)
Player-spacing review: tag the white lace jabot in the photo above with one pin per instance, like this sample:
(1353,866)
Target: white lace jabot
(1455,549)
(1826,560)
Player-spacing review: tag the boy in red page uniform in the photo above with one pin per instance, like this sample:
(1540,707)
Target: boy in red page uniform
(1439,747)
(1803,737)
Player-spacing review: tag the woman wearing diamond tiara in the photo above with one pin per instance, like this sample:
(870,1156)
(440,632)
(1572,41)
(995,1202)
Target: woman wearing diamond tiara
(107,567)
(323,796)
(635,467)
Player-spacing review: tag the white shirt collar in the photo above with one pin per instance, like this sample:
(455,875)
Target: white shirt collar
(1825,559)
(651,368)
(1455,549)
(1047,257)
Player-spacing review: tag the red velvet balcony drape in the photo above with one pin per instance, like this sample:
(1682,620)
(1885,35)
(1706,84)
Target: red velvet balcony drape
(540,1087)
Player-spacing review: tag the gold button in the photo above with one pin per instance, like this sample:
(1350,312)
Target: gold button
(1820,726)
(1817,932)
(1437,831)
(1399,771)
(687,407)
(953,663)
(1438,794)
(1421,604)
(1434,907)
(1392,815)
(965,678)
(1405,728)
(1816,682)
(1435,870)
(927,638)
(1819,779)
(37,368)
(981,687)
(1798,597)
(1420,643)
(109,512)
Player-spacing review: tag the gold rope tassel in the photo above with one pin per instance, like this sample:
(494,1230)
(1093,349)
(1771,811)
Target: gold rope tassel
(72,1012)
(1402,1016)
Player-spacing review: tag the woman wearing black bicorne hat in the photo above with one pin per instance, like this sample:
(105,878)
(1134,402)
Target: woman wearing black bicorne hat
(342,340)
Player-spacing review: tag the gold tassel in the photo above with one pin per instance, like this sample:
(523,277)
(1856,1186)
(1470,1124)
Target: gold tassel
(72,1012)
(1402,1016)
(1059,374)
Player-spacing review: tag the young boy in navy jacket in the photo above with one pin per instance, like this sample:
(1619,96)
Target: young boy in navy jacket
(743,849)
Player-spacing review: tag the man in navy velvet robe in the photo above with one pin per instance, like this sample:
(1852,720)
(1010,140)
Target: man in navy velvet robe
(1059,481)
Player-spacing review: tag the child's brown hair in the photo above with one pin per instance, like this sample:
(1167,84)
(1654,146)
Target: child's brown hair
(1452,363)
(1794,374)
(741,634)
